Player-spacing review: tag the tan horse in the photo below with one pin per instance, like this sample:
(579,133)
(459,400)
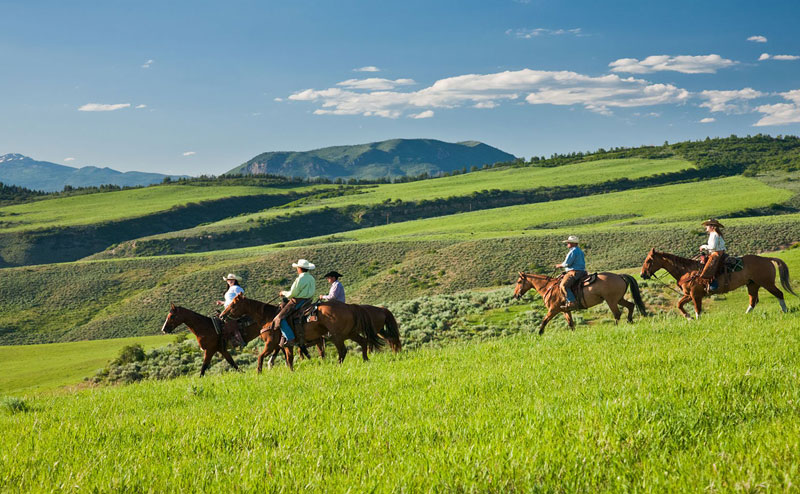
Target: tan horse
(757,272)
(609,288)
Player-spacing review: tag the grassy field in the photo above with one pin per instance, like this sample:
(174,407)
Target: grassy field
(36,368)
(659,406)
(113,206)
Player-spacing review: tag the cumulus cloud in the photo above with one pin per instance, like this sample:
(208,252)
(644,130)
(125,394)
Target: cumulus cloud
(368,68)
(540,31)
(69,159)
(757,39)
(767,56)
(536,86)
(708,120)
(424,114)
(729,101)
(147,64)
(687,64)
(189,153)
(375,83)
(103,106)
(781,113)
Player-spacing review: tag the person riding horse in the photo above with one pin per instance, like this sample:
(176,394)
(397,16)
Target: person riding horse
(298,295)
(575,266)
(231,327)
(715,247)
(337,290)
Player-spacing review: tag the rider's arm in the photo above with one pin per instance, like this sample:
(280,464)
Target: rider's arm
(293,290)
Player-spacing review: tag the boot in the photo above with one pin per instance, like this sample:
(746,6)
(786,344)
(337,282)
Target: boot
(569,306)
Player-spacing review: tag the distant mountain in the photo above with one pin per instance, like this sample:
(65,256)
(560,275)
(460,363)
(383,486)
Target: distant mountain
(396,157)
(16,169)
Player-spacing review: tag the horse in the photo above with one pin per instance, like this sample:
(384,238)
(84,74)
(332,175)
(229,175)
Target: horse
(382,318)
(335,320)
(757,272)
(609,287)
(203,329)
(263,314)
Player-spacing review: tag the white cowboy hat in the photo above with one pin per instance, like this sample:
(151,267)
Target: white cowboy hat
(572,239)
(231,276)
(302,263)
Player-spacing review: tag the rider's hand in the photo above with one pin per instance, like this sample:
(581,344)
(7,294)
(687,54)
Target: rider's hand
(219,302)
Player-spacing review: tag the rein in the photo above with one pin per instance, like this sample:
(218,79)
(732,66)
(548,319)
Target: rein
(653,276)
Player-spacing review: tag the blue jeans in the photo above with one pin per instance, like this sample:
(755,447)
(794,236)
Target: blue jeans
(285,329)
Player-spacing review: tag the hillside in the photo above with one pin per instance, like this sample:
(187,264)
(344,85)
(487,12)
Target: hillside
(393,158)
(16,169)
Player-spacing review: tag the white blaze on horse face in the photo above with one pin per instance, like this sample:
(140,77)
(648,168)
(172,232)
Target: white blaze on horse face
(164,326)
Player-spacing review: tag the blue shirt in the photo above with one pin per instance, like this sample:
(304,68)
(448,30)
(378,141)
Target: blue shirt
(575,260)
(232,292)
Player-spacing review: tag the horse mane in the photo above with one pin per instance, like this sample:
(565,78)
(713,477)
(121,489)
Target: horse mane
(681,262)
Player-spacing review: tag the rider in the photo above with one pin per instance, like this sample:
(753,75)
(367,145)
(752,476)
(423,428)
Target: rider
(337,290)
(575,266)
(716,249)
(298,295)
(231,325)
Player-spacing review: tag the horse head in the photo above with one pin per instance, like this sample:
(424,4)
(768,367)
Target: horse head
(652,263)
(235,309)
(523,285)
(173,319)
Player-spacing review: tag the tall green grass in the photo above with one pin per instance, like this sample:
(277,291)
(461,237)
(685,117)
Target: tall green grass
(659,406)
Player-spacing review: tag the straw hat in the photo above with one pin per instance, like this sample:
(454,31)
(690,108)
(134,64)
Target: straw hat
(713,222)
(231,276)
(302,263)
(572,239)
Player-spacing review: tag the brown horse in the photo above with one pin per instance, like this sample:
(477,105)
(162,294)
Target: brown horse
(757,272)
(335,321)
(609,287)
(382,318)
(263,313)
(203,329)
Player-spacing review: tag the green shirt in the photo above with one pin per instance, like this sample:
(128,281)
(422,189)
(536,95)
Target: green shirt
(303,287)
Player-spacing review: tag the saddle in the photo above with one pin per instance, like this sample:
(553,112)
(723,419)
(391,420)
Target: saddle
(579,285)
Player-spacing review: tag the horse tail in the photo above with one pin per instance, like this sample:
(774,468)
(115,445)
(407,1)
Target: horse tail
(635,293)
(366,324)
(392,330)
(783,271)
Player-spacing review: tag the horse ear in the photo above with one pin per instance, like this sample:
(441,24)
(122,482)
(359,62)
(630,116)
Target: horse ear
(653,250)
(522,274)
(171,306)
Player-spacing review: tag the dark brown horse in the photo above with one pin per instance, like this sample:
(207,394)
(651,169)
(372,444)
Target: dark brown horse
(263,314)
(203,329)
(609,287)
(384,323)
(335,321)
(757,272)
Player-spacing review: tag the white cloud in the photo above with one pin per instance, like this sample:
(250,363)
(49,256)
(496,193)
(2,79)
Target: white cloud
(781,113)
(485,104)
(764,56)
(69,159)
(721,101)
(103,107)
(189,153)
(708,120)
(785,57)
(757,39)
(425,114)
(368,68)
(541,31)
(139,107)
(538,86)
(278,99)
(375,83)
(687,64)
(147,64)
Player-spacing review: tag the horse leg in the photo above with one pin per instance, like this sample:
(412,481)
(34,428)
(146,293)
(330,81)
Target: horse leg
(206,362)
(681,303)
(752,290)
(697,301)
(629,306)
(288,350)
(340,348)
(570,321)
(228,357)
(364,345)
(614,310)
(551,313)
(304,352)
(321,348)
(778,294)
(261,358)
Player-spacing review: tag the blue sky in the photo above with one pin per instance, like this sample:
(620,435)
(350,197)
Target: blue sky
(199,87)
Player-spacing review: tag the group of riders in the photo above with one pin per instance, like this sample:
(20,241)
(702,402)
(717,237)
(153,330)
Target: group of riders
(302,291)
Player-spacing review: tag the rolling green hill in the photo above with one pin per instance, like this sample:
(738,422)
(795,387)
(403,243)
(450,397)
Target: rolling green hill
(393,158)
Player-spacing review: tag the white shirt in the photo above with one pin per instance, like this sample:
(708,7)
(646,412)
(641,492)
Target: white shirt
(715,243)
(232,292)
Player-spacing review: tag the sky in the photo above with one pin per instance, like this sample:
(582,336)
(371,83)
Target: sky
(200,87)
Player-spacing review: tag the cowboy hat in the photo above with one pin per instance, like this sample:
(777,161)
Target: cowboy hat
(332,274)
(302,263)
(572,239)
(231,276)
(713,222)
